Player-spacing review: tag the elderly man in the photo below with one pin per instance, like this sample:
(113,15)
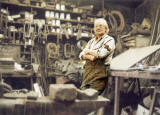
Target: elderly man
(98,54)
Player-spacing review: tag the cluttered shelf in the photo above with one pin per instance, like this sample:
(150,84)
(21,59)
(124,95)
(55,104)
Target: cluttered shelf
(50,8)
(74,21)
(19,74)
(13,44)
(62,20)
(60,14)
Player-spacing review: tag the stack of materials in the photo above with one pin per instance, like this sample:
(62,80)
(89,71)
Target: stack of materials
(139,36)
(6,65)
(136,41)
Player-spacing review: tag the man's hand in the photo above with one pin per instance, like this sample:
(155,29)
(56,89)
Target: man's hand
(89,57)
(92,52)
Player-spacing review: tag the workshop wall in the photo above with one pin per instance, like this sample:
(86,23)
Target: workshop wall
(51,35)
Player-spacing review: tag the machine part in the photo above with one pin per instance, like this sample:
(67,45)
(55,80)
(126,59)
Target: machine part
(67,50)
(52,50)
(73,50)
(120,26)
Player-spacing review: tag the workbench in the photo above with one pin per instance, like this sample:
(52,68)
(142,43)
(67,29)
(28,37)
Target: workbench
(119,74)
(23,75)
(46,106)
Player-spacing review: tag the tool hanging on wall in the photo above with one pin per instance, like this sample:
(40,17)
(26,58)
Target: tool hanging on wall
(59,35)
(69,29)
(120,19)
(19,36)
(111,20)
(67,50)
(4,24)
(52,50)
(40,25)
(73,50)
(14,37)
(46,31)
(115,20)
(27,31)
(9,34)
(79,33)
(64,30)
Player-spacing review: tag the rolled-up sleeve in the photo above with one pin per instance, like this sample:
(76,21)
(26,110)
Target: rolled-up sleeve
(105,50)
(84,50)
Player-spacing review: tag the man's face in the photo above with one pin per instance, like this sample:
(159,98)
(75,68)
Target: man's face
(99,29)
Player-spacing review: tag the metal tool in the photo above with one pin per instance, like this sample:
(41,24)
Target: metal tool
(52,50)
(67,50)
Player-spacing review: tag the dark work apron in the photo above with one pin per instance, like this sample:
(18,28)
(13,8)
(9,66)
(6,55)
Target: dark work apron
(95,75)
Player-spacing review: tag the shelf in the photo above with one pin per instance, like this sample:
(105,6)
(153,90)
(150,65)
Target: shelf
(12,44)
(43,8)
(20,23)
(74,27)
(65,20)
(51,9)
(73,21)
(55,33)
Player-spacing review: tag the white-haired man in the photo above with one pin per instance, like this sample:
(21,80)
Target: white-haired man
(97,53)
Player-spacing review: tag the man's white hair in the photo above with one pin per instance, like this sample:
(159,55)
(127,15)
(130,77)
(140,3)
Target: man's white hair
(103,22)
